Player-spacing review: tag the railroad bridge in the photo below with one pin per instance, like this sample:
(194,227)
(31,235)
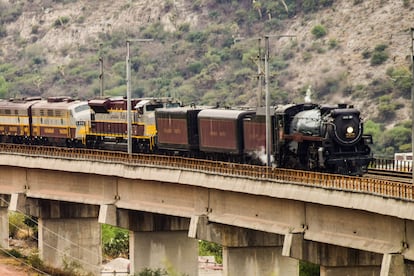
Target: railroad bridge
(266,218)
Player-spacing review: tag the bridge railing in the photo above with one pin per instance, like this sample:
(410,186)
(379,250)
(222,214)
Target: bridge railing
(392,165)
(367,185)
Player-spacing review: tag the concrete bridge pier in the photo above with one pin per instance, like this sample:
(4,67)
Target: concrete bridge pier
(4,222)
(69,233)
(334,260)
(245,251)
(170,250)
(156,241)
(70,236)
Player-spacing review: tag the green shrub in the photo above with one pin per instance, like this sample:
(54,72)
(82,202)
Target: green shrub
(378,58)
(115,241)
(386,107)
(379,55)
(16,223)
(195,67)
(153,272)
(211,249)
(308,269)
(402,80)
(3,31)
(319,31)
(333,43)
(4,87)
(185,27)
(197,37)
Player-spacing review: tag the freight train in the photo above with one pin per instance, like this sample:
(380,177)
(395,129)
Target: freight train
(303,136)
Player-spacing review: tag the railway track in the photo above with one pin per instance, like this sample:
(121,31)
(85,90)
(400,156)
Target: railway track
(379,182)
(391,175)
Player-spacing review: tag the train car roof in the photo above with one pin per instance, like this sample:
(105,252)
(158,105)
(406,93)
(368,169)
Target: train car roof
(177,110)
(17,104)
(181,109)
(223,113)
(44,104)
(262,110)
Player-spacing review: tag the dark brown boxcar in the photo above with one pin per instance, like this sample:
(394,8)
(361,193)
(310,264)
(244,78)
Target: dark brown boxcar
(177,128)
(221,130)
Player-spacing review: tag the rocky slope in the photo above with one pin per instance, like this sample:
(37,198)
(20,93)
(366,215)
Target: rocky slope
(353,27)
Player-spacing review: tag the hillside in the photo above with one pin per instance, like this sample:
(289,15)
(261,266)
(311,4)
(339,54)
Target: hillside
(346,51)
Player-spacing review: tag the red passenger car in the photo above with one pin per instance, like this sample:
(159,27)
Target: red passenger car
(221,131)
(177,128)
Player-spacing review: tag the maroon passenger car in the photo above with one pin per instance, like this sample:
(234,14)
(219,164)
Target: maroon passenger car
(177,128)
(221,131)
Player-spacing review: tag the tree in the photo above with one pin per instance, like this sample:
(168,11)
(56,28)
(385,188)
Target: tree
(4,87)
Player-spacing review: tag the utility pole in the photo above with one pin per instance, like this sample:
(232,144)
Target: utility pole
(412,100)
(259,74)
(267,102)
(101,74)
(128,73)
(267,98)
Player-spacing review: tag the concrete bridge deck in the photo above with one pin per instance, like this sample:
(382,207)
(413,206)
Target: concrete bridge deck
(300,206)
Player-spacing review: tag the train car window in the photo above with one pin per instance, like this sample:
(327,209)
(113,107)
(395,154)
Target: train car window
(42,112)
(152,107)
(8,111)
(81,108)
(50,112)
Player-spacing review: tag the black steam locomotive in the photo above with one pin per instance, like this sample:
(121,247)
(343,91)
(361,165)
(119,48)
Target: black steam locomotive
(303,136)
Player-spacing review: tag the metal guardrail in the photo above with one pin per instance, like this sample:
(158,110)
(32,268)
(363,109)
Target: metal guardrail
(392,165)
(366,185)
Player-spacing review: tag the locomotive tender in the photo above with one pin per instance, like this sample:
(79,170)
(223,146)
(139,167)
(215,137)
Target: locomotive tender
(303,136)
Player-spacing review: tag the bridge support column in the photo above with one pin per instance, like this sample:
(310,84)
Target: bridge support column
(266,260)
(393,265)
(4,227)
(4,221)
(70,236)
(168,250)
(156,241)
(333,260)
(245,251)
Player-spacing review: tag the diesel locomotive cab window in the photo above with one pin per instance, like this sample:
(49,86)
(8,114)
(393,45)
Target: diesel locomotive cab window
(81,108)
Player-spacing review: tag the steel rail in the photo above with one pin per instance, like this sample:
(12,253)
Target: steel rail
(367,185)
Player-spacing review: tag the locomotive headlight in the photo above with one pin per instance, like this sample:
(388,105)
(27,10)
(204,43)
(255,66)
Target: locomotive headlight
(349,130)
